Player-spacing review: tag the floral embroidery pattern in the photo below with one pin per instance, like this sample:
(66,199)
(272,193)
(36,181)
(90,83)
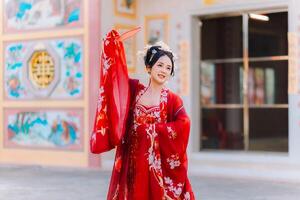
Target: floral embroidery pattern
(149,116)
(102,130)
(100,98)
(173,161)
(106,42)
(101,101)
(154,160)
(146,115)
(187,196)
(101,111)
(156,114)
(107,62)
(172,133)
(154,157)
(176,190)
(164,95)
(146,154)
(163,105)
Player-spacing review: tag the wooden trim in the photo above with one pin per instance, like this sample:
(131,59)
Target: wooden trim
(251,59)
(246,126)
(44,104)
(269,106)
(43,35)
(222,106)
(86,81)
(1,79)
(43,157)
(241,106)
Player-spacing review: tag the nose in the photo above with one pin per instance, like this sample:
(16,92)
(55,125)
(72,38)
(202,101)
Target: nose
(164,70)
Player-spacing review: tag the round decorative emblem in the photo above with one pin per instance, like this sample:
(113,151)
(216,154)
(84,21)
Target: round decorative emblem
(41,69)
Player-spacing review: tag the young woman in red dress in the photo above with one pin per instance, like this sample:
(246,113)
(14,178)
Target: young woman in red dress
(148,126)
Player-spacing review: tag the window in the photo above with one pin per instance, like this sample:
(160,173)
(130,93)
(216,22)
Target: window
(244,82)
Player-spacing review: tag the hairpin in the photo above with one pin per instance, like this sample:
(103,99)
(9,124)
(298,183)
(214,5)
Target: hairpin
(153,52)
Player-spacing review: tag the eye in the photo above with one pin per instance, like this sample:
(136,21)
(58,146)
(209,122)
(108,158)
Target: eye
(159,65)
(169,68)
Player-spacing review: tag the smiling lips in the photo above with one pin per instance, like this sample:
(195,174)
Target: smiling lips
(161,76)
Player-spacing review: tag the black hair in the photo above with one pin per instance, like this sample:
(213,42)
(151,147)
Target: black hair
(154,53)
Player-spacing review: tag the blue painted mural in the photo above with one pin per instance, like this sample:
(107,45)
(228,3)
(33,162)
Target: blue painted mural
(39,14)
(44,129)
(72,56)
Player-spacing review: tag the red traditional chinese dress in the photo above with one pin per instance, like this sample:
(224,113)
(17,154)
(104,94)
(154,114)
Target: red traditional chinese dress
(151,161)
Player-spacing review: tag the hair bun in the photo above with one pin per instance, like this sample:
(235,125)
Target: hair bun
(152,53)
(160,45)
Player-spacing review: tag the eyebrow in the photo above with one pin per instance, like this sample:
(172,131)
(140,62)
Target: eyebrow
(162,63)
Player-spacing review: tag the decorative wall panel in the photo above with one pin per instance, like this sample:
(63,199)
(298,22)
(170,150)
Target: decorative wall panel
(40,14)
(50,69)
(51,128)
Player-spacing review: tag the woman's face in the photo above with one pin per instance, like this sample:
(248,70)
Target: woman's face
(161,70)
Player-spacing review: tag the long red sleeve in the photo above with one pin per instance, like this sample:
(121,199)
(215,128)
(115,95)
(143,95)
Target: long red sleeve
(113,101)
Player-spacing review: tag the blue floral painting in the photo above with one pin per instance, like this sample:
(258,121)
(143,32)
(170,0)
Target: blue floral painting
(39,14)
(14,64)
(72,56)
(44,129)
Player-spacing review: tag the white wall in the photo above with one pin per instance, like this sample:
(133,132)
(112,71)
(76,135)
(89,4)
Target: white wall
(294,99)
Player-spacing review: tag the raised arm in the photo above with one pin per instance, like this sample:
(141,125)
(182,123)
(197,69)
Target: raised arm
(113,96)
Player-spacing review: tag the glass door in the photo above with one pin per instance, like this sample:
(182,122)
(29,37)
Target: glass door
(244,82)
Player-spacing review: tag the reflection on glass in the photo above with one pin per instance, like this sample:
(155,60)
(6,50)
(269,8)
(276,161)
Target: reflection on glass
(222,38)
(268,82)
(222,126)
(222,129)
(268,129)
(221,83)
(268,38)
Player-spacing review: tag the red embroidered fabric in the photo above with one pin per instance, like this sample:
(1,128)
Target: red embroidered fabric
(151,164)
(150,161)
(113,97)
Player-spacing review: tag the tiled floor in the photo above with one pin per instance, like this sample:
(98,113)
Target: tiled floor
(36,183)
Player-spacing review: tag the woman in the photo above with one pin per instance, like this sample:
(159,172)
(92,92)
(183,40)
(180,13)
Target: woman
(151,161)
